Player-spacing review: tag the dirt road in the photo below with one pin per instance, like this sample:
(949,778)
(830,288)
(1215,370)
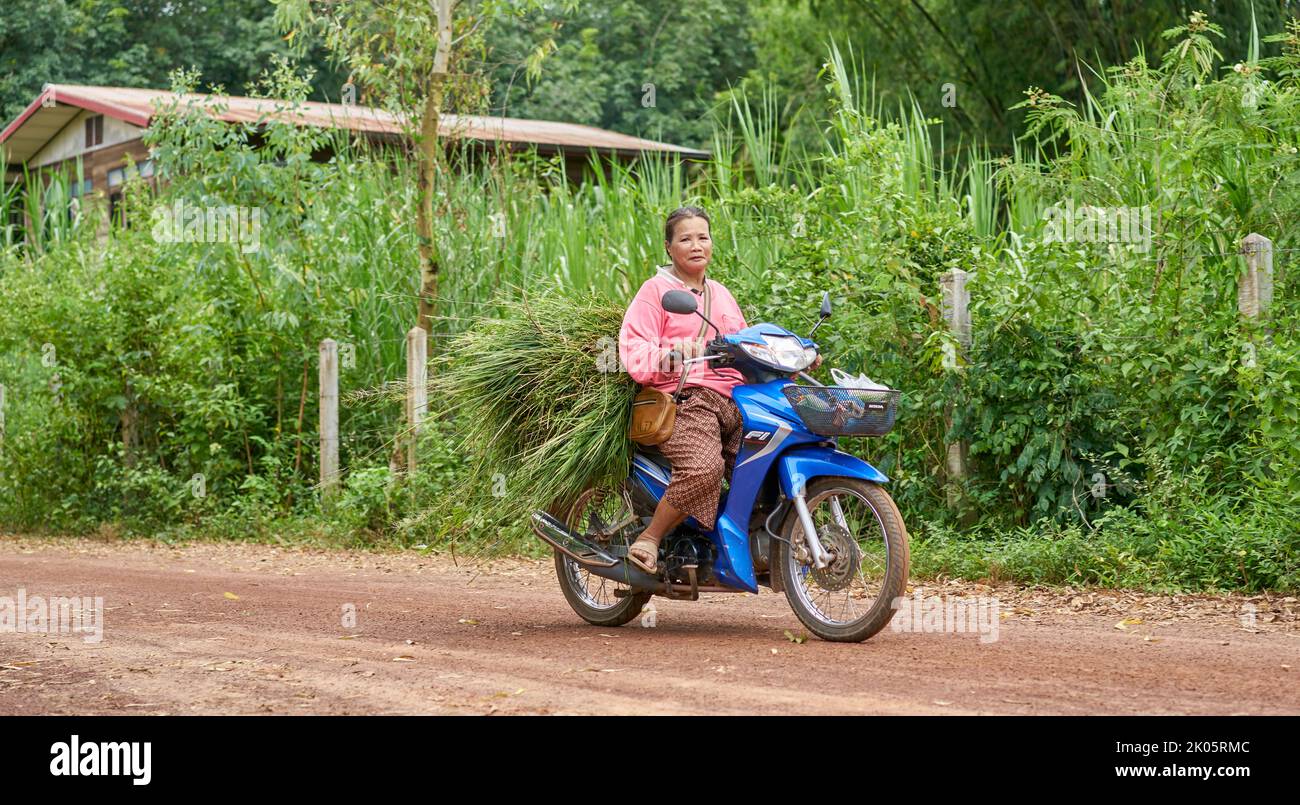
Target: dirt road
(258,629)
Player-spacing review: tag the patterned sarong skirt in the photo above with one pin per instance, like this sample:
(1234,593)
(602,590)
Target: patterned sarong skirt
(706,437)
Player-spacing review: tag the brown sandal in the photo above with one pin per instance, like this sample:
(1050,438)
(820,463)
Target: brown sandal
(637,554)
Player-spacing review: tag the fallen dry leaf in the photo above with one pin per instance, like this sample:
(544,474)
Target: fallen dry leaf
(231,596)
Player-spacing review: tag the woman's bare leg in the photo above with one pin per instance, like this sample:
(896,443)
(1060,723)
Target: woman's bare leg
(665,519)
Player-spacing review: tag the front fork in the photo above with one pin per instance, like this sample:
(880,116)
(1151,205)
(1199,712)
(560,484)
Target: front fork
(817,556)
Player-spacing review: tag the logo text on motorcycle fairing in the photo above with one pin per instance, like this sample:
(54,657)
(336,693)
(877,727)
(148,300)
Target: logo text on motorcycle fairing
(772,445)
(757,436)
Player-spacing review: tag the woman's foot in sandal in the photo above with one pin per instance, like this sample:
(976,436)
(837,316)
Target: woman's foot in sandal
(644,553)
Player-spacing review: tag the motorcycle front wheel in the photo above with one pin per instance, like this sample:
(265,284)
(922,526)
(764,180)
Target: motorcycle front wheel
(854,596)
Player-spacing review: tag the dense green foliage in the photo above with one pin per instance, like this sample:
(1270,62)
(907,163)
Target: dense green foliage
(1125,426)
(967,63)
(605,54)
(137,43)
(650,67)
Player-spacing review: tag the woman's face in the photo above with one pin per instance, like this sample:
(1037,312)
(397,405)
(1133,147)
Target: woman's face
(691,249)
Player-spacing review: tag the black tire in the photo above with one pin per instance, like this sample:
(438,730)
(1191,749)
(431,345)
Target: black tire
(620,613)
(576,582)
(888,525)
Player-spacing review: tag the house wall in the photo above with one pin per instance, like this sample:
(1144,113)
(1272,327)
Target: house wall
(71,139)
(95,165)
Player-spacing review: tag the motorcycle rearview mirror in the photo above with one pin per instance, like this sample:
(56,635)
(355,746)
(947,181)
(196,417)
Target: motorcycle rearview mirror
(684,302)
(679,302)
(825,312)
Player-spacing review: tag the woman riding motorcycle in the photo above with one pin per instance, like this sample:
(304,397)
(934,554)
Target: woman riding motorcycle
(707,431)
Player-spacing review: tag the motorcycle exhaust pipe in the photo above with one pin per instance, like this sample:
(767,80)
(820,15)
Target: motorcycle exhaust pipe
(592,558)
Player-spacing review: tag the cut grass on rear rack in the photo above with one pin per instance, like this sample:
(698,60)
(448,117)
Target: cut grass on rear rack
(543,403)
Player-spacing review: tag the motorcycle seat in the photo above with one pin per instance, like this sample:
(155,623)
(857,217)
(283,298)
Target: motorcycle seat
(652,453)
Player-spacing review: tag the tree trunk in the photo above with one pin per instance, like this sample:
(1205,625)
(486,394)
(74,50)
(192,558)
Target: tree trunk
(428,156)
(130,427)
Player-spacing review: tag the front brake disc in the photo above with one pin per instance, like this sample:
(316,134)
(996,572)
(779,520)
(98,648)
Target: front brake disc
(839,574)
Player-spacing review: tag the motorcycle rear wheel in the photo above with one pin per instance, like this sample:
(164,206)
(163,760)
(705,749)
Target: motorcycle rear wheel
(592,597)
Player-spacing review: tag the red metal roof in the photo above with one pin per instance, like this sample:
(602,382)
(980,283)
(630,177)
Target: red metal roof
(58,102)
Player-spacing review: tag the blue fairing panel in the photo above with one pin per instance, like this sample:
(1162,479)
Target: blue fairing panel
(799,465)
(754,334)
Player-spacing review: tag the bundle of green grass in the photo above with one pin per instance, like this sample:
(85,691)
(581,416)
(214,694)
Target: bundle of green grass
(541,402)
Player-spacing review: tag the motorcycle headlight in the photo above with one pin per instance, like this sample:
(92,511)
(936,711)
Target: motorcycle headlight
(784,352)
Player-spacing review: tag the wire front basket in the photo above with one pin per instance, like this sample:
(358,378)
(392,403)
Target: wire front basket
(843,411)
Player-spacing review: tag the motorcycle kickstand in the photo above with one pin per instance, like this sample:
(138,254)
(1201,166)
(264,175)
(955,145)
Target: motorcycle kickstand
(694,594)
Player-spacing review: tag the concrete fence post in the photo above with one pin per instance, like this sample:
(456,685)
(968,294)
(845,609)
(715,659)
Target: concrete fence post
(329,418)
(955,306)
(1255,285)
(417,379)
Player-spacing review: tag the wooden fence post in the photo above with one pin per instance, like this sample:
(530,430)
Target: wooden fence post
(417,378)
(955,305)
(329,418)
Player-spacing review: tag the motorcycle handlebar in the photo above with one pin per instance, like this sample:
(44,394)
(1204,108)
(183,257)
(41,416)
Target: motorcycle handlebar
(715,347)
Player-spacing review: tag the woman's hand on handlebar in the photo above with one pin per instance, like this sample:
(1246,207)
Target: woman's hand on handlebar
(693,348)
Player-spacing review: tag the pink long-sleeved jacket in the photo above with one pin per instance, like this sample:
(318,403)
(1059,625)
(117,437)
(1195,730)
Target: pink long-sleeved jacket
(649,332)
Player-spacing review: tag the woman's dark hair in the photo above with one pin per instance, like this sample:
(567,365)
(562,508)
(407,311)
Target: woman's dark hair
(679,214)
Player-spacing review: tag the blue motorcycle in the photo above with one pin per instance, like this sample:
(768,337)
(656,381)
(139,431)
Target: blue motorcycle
(798,515)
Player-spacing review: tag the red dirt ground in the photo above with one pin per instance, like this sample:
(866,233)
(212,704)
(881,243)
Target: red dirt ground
(225,628)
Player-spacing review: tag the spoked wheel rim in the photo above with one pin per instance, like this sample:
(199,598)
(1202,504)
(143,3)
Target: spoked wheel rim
(601,516)
(596,592)
(849,590)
